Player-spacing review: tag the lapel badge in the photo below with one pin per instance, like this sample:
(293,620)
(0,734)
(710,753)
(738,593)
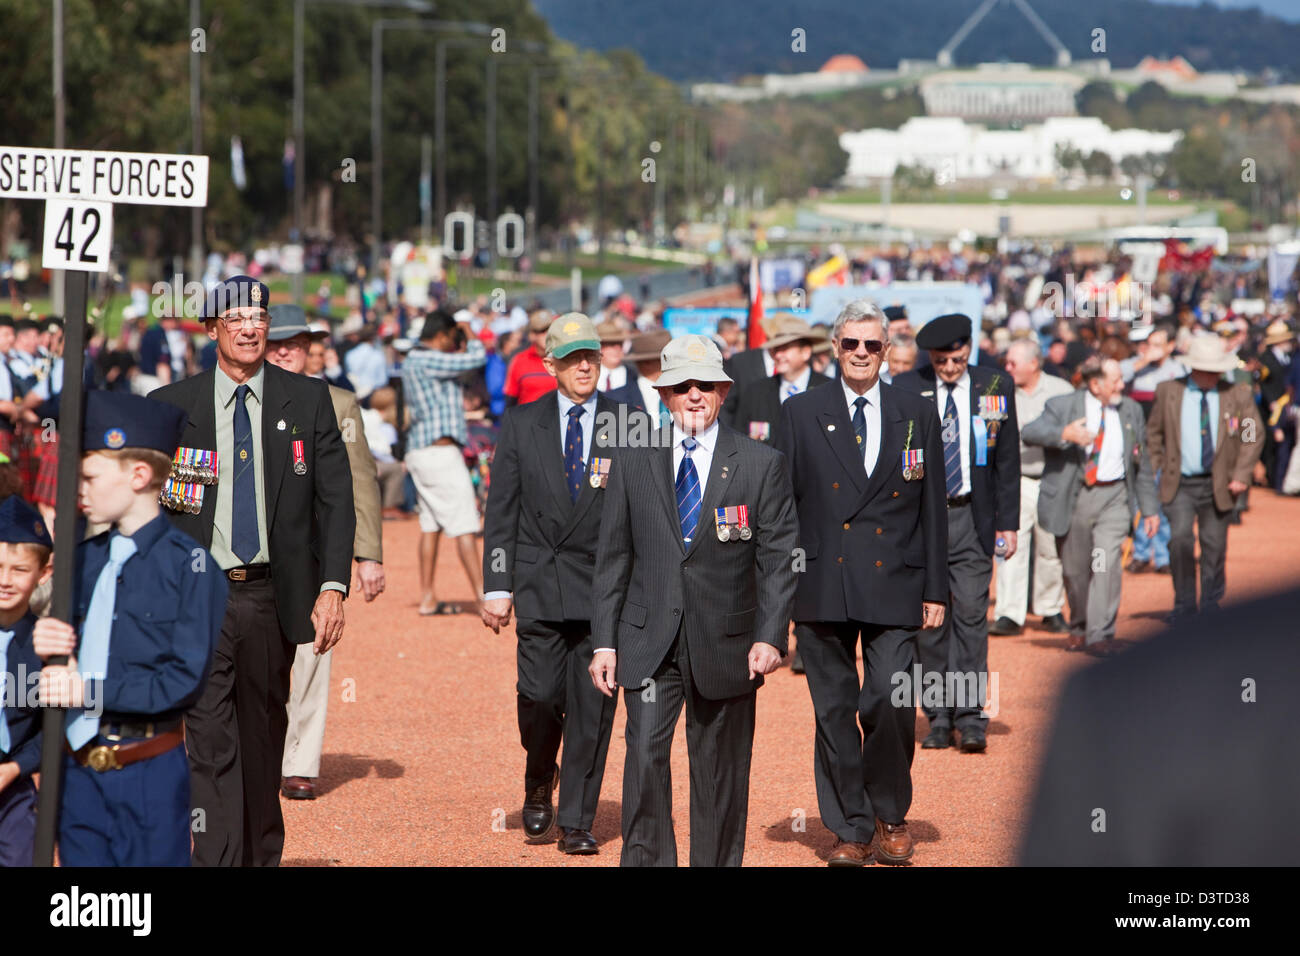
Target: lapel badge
(280,425)
(724,471)
(830,428)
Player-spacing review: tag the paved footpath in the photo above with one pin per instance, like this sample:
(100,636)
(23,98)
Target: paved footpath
(422,762)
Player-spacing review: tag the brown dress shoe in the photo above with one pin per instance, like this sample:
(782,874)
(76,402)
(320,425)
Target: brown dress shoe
(893,843)
(849,854)
(299,788)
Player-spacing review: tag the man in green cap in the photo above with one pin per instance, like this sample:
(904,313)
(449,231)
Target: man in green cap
(539,542)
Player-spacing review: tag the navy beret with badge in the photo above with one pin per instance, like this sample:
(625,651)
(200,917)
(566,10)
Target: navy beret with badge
(237,292)
(20,523)
(120,420)
(945,333)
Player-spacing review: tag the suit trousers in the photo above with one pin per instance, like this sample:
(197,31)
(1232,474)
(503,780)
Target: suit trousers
(719,745)
(557,701)
(17,823)
(309,696)
(1090,560)
(959,649)
(1194,501)
(1013,573)
(235,735)
(864,774)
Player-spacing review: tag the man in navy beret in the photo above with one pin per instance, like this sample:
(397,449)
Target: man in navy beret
(981,471)
(273,503)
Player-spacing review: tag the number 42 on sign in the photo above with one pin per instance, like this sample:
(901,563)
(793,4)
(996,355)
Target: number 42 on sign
(78,235)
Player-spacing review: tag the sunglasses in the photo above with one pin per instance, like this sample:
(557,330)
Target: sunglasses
(873,346)
(683,387)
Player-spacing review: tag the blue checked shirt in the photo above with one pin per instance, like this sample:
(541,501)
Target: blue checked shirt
(433,393)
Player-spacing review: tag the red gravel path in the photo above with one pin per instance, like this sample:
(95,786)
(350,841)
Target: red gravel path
(417,769)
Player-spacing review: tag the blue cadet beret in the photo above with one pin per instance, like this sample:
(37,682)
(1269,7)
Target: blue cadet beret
(120,420)
(20,523)
(945,333)
(237,292)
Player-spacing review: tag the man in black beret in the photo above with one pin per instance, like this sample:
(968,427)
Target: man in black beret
(981,468)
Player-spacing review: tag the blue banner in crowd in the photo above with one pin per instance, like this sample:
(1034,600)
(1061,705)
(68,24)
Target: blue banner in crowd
(923,301)
(705,321)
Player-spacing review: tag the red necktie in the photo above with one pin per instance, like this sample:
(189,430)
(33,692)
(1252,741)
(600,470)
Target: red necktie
(1094,456)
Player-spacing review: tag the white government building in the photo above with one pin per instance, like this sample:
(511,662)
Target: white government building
(954,148)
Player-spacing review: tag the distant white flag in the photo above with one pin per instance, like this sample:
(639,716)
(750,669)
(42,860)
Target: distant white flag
(237,163)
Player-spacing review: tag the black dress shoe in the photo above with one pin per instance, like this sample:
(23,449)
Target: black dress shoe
(577,843)
(539,811)
(1004,627)
(973,741)
(1056,624)
(939,738)
(796,663)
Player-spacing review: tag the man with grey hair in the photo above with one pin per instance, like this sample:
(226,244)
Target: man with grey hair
(1097,476)
(865,463)
(1024,363)
(902,357)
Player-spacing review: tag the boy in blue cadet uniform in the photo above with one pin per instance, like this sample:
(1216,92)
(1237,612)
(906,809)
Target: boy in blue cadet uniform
(25,547)
(148,602)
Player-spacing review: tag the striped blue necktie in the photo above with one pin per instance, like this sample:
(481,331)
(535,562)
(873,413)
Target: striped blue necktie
(688,492)
(951,447)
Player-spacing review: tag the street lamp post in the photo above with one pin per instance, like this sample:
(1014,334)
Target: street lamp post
(299,106)
(376,108)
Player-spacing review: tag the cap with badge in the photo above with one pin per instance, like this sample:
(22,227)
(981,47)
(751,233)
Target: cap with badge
(237,292)
(945,333)
(20,523)
(571,332)
(690,358)
(289,321)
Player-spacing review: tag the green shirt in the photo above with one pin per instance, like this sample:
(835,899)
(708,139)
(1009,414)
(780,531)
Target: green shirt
(224,397)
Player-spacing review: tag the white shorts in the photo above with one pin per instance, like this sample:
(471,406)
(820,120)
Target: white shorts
(444,490)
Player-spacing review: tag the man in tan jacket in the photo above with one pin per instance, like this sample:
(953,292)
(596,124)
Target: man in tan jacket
(1204,437)
(287,342)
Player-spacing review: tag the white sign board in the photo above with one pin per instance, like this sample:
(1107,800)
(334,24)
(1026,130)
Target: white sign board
(291,260)
(78,235)
(148,179)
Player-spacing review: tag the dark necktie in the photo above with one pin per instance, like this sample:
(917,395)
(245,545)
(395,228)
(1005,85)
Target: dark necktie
(688,492)
(860,425)
(1207,439)
(573,452)
(951,446)
(244,539)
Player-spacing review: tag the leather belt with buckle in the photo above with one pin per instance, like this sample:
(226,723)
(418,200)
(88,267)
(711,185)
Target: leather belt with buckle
(959,501)
(104,757)
(249,572)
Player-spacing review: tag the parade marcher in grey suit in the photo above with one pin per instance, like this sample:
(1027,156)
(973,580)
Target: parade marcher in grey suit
(694,583)
(1097,477)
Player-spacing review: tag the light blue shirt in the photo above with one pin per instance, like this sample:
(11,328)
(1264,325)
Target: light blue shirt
(1191,425)
(587,418)
(367,368)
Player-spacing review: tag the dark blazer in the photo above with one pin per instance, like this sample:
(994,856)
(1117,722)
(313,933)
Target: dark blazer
(1066,461)
(745,368)
(875,547)
(995,487)
(724,597)
(537,542)
(310,518)
(23,666)
(629,395)
(761,402)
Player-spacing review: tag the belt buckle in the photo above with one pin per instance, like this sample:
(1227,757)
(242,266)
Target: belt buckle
(237,574)
(102,759)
